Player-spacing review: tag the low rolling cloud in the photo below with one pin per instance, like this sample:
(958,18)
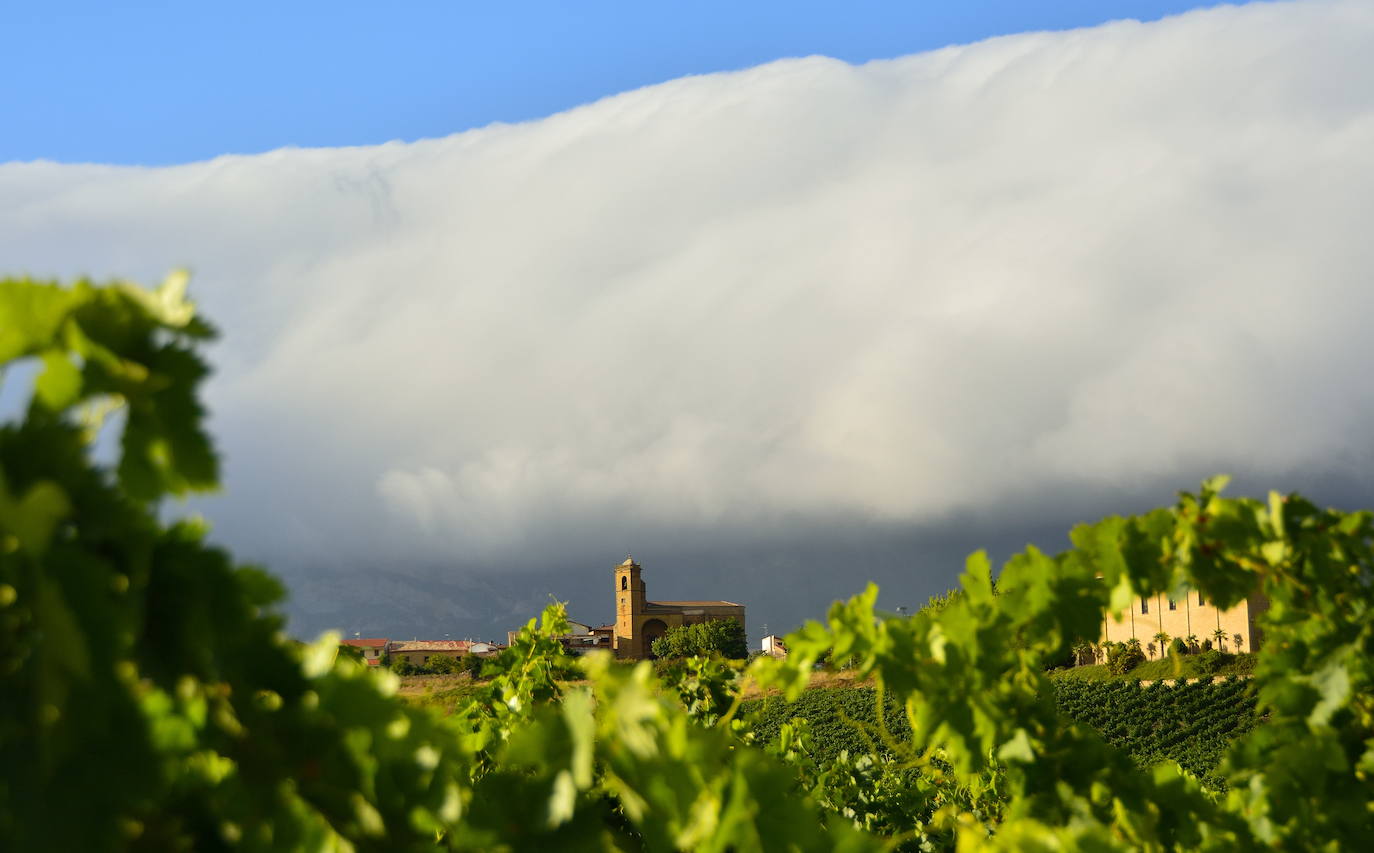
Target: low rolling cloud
(798,321)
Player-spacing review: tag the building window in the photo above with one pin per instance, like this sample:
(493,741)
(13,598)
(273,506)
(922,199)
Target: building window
(1173,605)
(624,582)
(1200,601)
(1144,605)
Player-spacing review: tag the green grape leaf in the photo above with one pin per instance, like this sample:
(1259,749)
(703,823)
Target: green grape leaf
(32,518)
(30,316)
(59,385)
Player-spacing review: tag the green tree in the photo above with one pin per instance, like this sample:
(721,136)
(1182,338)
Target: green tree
(1161,639)
(676,642)
(724,637)
(1083,653)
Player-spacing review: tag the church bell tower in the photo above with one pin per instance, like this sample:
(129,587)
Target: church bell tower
(629,604)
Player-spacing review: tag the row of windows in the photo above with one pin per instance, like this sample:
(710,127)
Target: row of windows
(1173,605)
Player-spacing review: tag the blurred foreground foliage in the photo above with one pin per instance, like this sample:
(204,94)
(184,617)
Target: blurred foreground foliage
(149,699)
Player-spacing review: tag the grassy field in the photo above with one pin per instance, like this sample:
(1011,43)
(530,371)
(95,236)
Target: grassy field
(445,693)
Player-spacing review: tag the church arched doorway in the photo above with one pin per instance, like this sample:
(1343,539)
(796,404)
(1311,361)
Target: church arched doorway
(652,630)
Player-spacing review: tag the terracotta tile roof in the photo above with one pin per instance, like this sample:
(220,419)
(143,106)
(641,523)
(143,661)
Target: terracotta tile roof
(367,643)
(692,604)
(432,646)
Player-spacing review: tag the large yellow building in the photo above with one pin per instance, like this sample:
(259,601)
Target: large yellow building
(638,621)
(1191,616)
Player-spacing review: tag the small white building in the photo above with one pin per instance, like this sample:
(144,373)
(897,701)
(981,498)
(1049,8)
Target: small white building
(774,646)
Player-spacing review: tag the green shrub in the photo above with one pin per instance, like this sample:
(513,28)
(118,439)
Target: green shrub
(1211,661)
(444,665)
(472,665)
(1124,657)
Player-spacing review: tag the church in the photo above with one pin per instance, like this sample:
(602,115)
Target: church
(638,621)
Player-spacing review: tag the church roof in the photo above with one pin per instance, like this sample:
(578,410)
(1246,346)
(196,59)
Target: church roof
(692,604)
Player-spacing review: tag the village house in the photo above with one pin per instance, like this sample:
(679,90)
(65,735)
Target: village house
(773,646)
(1191,615)
(419,652)
(372,648)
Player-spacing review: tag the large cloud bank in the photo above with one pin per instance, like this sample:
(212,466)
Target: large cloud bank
(748,303)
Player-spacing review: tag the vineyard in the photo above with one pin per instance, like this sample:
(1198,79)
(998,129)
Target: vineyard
(1191,724)
(840,720)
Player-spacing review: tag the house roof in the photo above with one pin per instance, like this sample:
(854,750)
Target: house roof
(367,643)
(692,604)
(432,646)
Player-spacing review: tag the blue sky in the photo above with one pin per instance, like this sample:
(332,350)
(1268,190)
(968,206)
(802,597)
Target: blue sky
(159,83)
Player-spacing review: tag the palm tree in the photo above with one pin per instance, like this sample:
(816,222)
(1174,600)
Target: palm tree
(1238,640)
(1192,642)
(1163,640)
(1220,636)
